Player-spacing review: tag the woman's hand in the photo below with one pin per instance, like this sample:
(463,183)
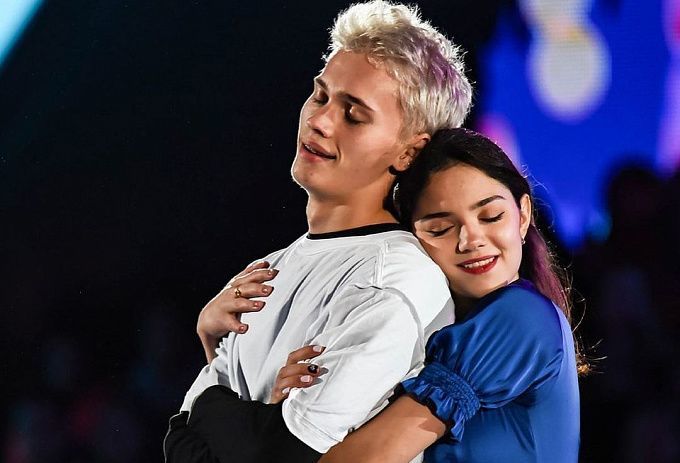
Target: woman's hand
(295,374)
(222,314)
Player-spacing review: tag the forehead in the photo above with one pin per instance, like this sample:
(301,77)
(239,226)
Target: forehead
(458,188)
(352,73)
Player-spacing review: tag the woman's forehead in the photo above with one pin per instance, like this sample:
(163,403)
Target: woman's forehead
(458,187)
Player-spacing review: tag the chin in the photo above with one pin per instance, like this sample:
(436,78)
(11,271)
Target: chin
(310,183)
(299,175)
(480,288)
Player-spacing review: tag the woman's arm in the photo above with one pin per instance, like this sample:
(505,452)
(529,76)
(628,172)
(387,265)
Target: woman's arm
(397,435)
(222,314)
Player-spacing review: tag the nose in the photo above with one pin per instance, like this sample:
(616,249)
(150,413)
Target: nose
(470,238)
(321,121)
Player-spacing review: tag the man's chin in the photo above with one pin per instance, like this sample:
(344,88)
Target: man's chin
(315,188)
(304,180)
(306,177)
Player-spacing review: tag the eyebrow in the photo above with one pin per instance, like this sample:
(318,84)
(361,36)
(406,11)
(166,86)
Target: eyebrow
(486,201)
(477,205)
(344,95)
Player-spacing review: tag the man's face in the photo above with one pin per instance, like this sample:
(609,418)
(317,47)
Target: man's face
(349,132)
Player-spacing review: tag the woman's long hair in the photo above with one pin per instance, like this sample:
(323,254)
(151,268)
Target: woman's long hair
(462,146)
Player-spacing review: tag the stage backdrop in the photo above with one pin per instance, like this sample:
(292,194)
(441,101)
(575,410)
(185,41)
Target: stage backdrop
(574,88)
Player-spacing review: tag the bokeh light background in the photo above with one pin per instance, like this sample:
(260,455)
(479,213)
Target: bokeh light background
(591,86)
(144,157)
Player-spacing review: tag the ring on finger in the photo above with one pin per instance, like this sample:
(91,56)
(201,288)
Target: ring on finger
(237,293)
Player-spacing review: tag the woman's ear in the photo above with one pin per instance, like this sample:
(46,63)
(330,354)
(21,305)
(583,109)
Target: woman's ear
(525,211)
(411,149)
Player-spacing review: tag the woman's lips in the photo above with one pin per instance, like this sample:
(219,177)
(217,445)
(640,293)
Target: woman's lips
(479,266)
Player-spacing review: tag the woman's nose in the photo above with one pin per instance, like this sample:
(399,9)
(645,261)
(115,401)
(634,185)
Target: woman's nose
(469,238)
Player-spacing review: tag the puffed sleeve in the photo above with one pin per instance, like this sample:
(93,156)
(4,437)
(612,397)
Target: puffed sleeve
(509,347)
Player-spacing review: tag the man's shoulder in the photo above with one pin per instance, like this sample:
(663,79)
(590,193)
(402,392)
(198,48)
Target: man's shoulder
(275,256)
(403,257)
(408,270)
(390,246)
(395,254)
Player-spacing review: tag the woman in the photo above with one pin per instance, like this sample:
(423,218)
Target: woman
(501,383)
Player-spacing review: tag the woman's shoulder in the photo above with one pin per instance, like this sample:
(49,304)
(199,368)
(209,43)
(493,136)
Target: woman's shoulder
(519,303)
(516,314)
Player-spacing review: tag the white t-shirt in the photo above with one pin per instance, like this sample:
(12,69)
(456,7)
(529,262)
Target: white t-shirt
(371,300)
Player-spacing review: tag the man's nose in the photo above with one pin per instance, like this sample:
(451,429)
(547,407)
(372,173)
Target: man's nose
(321,121)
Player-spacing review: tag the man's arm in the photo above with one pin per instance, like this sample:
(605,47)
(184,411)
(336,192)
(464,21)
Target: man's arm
(223,428)
(183,445)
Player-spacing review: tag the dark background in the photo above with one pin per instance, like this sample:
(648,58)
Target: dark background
(144,159)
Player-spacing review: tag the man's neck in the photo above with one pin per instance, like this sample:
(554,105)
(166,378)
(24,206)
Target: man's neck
(330,216)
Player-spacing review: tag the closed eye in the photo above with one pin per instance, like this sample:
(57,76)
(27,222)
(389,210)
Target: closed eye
(349,118)
(495,218)
(319,99)
(436,233)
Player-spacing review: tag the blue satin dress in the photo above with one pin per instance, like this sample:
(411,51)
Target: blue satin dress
(504,381)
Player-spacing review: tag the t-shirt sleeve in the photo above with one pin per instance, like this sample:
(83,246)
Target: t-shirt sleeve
(507,349)
(216,372)
(370,338)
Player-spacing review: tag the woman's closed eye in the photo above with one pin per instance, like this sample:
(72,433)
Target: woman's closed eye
(493,219)
(439,231)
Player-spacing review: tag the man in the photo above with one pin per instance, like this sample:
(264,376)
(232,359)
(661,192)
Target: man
(356,284)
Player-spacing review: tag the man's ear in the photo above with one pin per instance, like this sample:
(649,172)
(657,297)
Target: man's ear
(411,149)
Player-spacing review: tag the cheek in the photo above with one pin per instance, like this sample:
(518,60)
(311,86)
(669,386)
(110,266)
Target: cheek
(440,251)
(509,235)
(509,240)
(375,146)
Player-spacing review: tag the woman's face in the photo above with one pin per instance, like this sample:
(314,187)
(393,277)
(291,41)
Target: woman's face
(471,226)
(349,132)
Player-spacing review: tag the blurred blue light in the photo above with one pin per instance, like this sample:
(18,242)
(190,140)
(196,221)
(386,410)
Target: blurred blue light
(589,100)
(14,16)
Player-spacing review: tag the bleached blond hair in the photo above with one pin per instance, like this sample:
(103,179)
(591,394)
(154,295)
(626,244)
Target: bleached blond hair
(433,90)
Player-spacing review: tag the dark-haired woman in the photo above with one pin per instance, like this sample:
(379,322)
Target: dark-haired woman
(500,385)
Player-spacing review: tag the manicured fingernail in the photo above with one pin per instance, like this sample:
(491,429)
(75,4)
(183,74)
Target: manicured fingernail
(270,272)
(258,304)
(242,328)
(318,348)
(312,368)
(285,391)
(306,379)
(265,290)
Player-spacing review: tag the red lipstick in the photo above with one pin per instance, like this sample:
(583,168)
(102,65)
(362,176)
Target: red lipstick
(487,263)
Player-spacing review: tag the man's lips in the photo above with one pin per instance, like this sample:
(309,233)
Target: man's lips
(479,265)
(316,150)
